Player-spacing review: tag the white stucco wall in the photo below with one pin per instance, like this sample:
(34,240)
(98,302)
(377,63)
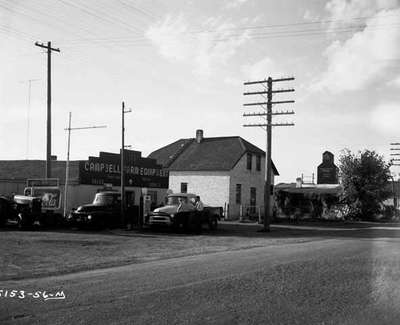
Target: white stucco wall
(247,178)
(218,188)
(213,187)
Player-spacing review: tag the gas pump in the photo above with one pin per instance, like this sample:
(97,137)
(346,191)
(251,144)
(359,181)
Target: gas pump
(145,205)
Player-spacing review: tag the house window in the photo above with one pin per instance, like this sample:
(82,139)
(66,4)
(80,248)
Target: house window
(184,187)
(238,193)
(258,162)
(249,159)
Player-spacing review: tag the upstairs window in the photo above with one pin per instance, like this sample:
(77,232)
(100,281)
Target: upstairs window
(249,159)
(238,193)
(258,162)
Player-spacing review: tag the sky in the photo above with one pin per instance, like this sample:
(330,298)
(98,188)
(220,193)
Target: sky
(181,66)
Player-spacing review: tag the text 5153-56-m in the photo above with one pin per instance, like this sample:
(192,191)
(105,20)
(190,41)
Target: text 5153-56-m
(22,294)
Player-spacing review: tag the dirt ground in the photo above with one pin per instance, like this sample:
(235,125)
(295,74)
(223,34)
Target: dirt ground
(31,254)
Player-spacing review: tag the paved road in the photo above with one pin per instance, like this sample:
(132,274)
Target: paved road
(348,280)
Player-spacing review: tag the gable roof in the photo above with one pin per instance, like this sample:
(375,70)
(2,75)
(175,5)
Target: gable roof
(219,153)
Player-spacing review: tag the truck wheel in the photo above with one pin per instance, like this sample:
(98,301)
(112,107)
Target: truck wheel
(21,223)
(175,225)
(101,224)
(193,223)
(3,213)
(213,223)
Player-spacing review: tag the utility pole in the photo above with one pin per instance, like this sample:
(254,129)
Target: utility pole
(268,113)
(124,111)
(48,151)
(69,129)
(395,147)
(394,162)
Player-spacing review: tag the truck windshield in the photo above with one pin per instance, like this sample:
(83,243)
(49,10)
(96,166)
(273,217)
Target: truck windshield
(101,199)
(175,200)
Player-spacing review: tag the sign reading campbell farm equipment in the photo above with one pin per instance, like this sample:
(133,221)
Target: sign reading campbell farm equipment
(139,171)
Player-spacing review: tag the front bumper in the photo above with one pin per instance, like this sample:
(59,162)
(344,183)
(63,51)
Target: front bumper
(160,219)
(76,219)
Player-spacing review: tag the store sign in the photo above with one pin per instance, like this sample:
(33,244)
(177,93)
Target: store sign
(139,172)
(47,189)
(51,197)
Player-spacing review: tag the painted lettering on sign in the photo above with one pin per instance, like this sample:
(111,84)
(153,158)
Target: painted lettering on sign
(140,172)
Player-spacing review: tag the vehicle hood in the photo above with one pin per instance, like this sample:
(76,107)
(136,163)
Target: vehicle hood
(90,208)
(168,209)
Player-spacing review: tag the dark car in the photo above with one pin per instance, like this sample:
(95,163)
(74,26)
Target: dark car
(22,211)
(105,211)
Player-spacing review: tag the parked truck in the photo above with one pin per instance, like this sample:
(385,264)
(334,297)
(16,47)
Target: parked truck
(180,212)
(22,211)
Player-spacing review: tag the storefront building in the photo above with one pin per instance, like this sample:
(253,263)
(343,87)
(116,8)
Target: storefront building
(225,172)
(87,177)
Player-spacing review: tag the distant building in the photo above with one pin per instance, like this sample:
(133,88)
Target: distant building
(307,199)
(225,171)
(327,172)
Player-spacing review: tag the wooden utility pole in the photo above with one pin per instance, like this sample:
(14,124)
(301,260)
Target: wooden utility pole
(394,162)
(123,203)
(69,129)
(395,147)
(268,113)
(48,151)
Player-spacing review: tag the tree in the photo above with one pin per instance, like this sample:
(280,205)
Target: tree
(365,177)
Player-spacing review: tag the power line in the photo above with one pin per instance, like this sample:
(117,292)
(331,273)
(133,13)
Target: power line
(101,15)
(138,9)
(281,34)
(319,22)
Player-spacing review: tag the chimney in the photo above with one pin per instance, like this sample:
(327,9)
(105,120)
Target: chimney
(299,182)
(199,136)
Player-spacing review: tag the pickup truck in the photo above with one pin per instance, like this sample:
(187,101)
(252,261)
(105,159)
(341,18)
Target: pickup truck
(180,212)
(105,211)
(22,211)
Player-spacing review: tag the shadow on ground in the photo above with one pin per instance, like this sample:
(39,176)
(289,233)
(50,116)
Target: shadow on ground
(281,230)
